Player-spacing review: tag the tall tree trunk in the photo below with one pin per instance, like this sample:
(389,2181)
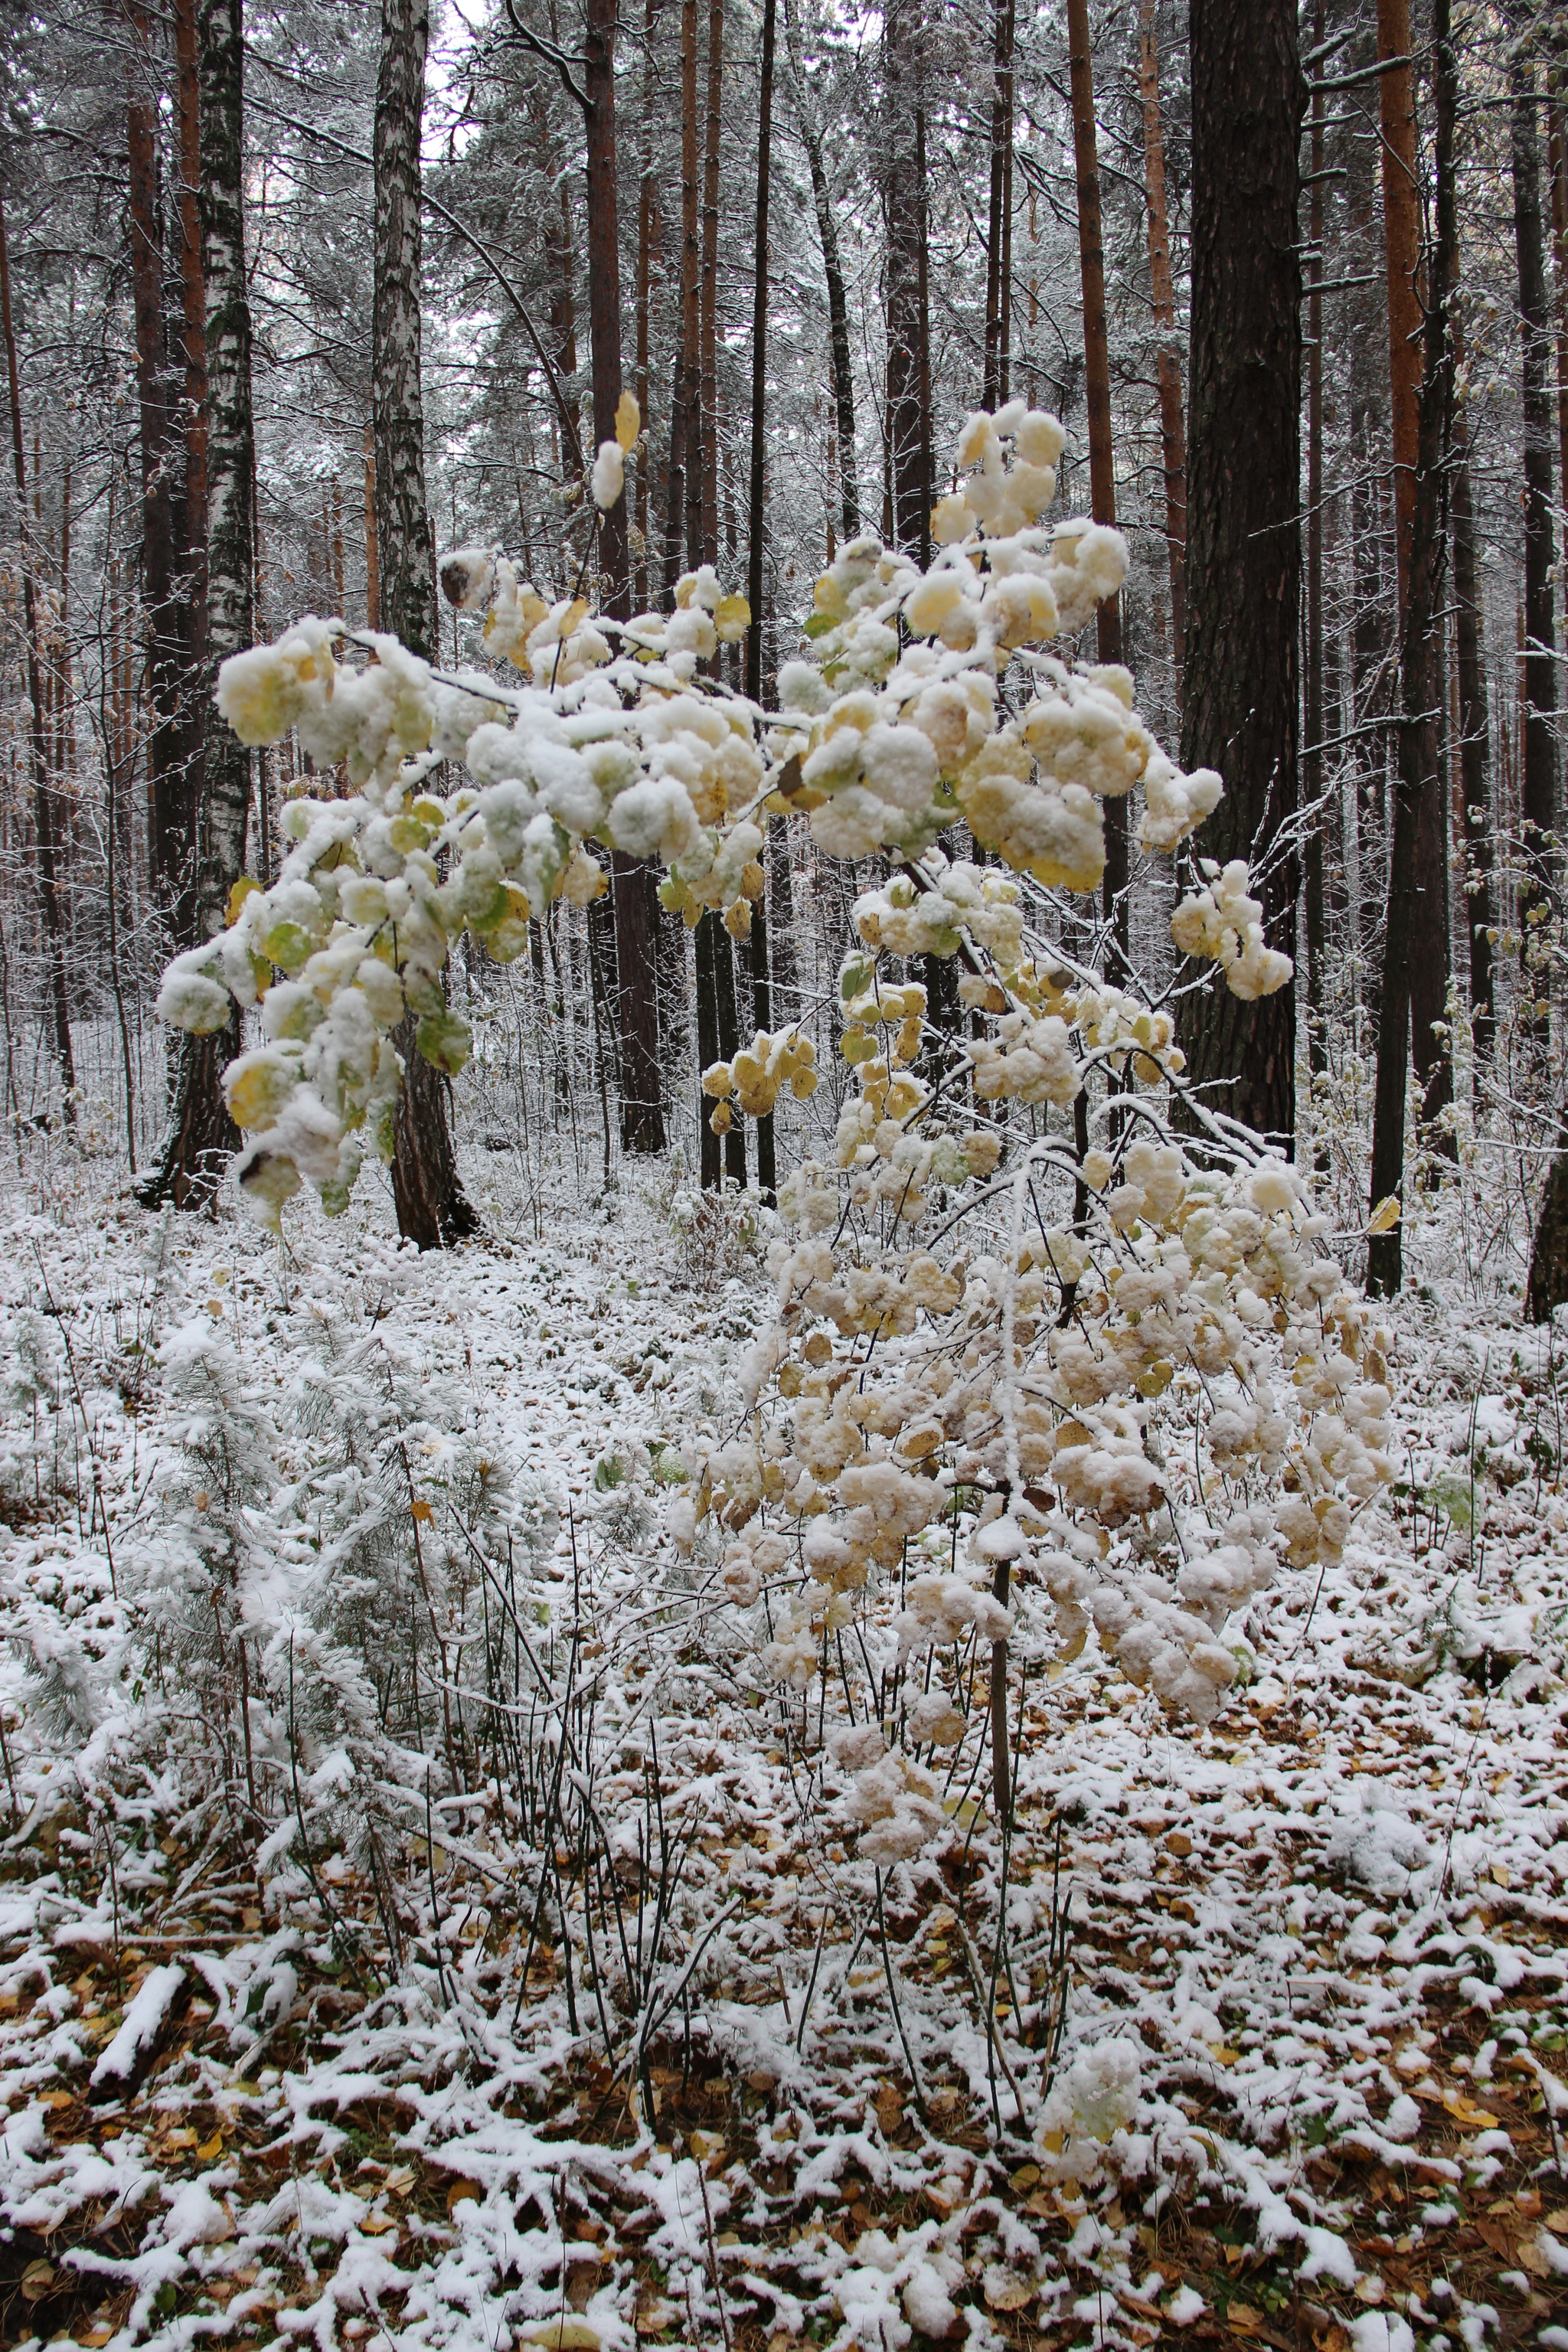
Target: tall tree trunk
(1167,362)
(1101,463)
(691,282)
(1557,167)
(1428,948)
(1538,793)
(707,475)
(832,270)
(1474,730)
(432,1211)
(1312,755)
(1244,548)
(631,956)
(998,291)
(193,298)
(761,996)
(903,205)
(605,287)
(199,1137)
(43,807)
(647,217)
(170,809)
(1420,767)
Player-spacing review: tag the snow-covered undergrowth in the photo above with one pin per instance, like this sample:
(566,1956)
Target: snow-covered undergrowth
(421,1919)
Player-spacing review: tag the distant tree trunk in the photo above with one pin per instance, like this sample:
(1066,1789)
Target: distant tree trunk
(1428,949)
(1557,166)
(998,291)
(372,537)
(193,295)
(1244,548)
(707,482)
(1167,360)
(1420,766)
(648,216)
(832,270)
(692,295)
(1313,756)
(432,1211)
(1538,794)
(170,810)
(1102,464)
(904,211)
(1474,730)
(43,809)
(761,996)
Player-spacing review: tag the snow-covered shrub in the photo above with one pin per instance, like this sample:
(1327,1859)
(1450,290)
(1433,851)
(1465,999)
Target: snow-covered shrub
(1156,1385)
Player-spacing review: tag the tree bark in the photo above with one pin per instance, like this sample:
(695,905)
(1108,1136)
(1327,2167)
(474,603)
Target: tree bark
(706,483)
(1420,770)
(199,1137)
(1243,553)
(1428,944)
(1538,793)
(409,608)
(1312,755)
(832,270)
(604,288)
(170,803)
(904,210)
(432,1207)
(1548,1286)
(1101,459)
(756,522)
(43,808)
(1475,731)
(1167,362)
(998,291)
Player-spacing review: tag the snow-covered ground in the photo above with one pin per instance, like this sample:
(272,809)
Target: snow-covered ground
(1270,2046)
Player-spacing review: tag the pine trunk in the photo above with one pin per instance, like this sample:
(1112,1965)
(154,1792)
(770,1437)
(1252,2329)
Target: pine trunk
(1244,551)
(432,1209)
(1420,770)
(1312,755)
(1539,785)
(832,270)
(904,207)
(998,289)
(756,522)
(1475,732)
(43,805)
(1101,459)
(1167,360)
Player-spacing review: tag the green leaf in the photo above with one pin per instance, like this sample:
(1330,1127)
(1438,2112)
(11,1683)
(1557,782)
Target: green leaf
(288,945)
(855,977)
(445,1039)
(819,624)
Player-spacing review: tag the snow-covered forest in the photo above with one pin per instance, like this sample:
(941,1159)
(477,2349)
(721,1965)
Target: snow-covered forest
(784,1545)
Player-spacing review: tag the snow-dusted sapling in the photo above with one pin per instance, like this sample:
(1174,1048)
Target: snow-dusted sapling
(1143,1382)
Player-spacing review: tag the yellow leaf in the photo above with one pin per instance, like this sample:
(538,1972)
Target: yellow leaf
(421,1511)
(1223,2056)
(731,618)
(243,889)
(563,2335)
(628,420)
(1465,2111)
(211,2149)
(461,2188)
(375,2225)
(1010,2294)
(1385,1217)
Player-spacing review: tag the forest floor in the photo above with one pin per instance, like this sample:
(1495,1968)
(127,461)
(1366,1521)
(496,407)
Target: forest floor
(1333,1927)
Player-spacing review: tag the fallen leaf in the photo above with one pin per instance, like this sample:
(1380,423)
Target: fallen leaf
(1221,2055)
(377,2225)
(1006,2293)
(399,2183)
(1178,1844)
(211,2149)
(1244,2319)
(1532,2257)
(653,2316)
(1370,2289)
(1556,2219)
(461,2188)
(421,1511)
(37,2280)
(1026,2177)
(563,2335)
(1465,2111)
